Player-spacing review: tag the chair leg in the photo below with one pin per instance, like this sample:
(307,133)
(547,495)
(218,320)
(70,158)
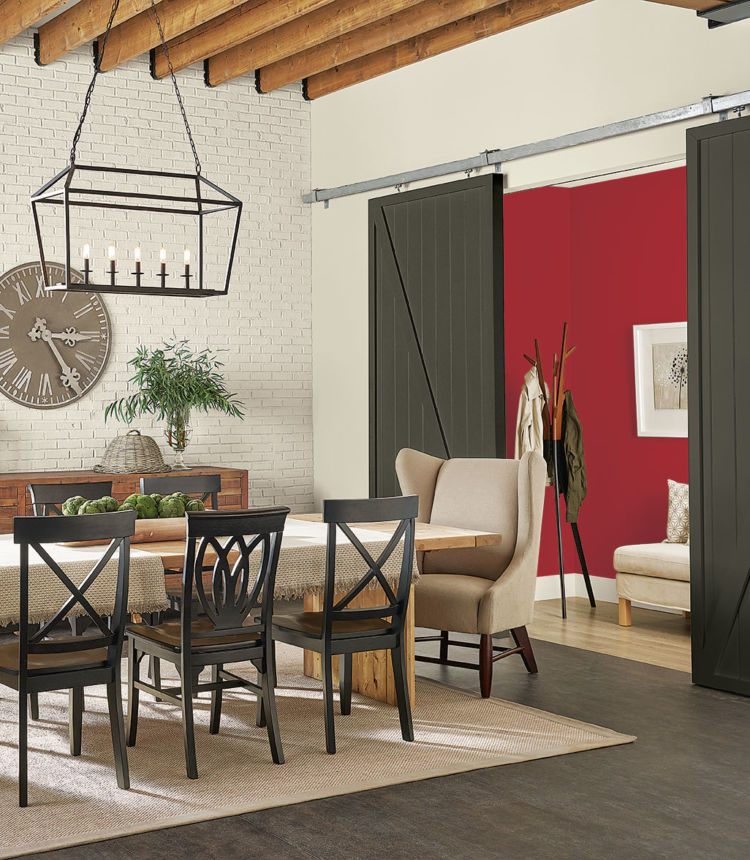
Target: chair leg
(521,638)
(76,628)
(401,683)
(188,727)
(34,705)
(215,702)
(345,684)
(271,718)
(485,664)
(23,754)
(154,674)
(625,618)
(443,646)
(260,714)
(75,719)
(133,692)
(117,727)
(328,703)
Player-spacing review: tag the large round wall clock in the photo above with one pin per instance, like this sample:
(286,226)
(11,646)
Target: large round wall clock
(54,344)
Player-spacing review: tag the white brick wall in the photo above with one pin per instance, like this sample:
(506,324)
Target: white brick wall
(258,147)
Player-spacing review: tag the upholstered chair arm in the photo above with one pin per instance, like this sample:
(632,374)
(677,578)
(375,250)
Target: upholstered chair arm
(509,602)
(417,475)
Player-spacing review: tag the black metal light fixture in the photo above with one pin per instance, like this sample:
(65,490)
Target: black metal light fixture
(188,196)
(730,13)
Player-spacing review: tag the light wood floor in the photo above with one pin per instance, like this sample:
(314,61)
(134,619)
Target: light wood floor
(659,638)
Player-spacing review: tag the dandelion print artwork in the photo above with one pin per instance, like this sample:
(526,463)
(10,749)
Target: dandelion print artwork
(670,362)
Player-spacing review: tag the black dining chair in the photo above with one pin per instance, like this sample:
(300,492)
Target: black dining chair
(235,628)
(205,487)
(47,499)
(38,662)
(341,630)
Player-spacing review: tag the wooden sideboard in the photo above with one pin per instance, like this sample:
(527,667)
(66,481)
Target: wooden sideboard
(15,500)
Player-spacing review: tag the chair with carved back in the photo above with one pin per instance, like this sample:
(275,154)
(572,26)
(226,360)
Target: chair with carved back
(343,630)
(235,627)
(37,662)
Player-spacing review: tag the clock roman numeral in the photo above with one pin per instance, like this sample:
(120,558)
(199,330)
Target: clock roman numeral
(7,360)
(7,311)
(22,380)
(45,386)
(5,331)
(85,359)
(41,290)
(23,294)
(82,311)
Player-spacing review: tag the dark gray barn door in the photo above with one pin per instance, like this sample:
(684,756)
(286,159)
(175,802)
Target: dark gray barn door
(436,325)
(719,354)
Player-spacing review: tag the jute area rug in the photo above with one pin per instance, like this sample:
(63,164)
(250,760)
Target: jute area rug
(73,801)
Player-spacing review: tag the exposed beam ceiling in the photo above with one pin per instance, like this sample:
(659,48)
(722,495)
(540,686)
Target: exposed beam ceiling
(395,28)
(498,19)
(80,24)
(138,35)
(251,19)
(17,15)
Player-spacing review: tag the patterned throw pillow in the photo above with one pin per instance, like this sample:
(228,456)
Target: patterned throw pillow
(678,518)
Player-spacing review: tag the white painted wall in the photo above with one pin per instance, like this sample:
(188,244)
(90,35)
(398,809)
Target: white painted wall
(258,148)
(599,63)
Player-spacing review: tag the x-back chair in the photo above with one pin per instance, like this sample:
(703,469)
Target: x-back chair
(342,630)
(236,626)
(37,663)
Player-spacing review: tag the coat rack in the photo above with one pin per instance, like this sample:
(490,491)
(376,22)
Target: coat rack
(552,420)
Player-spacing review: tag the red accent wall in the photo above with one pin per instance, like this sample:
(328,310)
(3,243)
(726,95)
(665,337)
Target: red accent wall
(604,257)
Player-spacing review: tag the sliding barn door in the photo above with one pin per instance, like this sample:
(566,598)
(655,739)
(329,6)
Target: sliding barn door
(436,325)
(719,380)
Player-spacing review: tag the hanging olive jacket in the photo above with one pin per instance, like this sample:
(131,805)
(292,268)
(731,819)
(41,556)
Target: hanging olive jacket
(575,463)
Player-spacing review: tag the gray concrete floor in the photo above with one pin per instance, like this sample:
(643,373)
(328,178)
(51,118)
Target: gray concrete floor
(681,791)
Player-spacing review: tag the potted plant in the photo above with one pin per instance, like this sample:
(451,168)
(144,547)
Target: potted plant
(172,381)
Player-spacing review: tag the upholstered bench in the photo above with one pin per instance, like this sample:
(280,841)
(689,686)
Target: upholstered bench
(653,573)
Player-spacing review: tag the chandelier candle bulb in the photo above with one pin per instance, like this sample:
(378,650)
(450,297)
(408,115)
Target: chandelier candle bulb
(112,251)
(86,263)
(137,272)
(163,268)
(187,267)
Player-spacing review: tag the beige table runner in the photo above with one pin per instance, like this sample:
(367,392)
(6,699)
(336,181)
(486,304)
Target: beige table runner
(47,594)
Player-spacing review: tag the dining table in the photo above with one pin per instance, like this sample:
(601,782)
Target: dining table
(155,569)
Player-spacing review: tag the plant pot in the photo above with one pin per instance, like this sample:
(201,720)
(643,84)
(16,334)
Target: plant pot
(178,435)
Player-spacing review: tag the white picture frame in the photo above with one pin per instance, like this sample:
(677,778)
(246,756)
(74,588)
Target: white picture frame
(660,352)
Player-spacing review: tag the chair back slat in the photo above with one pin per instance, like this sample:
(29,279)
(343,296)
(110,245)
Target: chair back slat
(233,595)
(37,533)
(47,499)
(340,514)
(204,486)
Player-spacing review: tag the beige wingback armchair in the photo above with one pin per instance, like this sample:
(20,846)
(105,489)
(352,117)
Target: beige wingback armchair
(482,590)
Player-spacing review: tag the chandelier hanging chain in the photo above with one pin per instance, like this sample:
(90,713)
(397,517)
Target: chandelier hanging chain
(97,69)
(177,92)
(92,84)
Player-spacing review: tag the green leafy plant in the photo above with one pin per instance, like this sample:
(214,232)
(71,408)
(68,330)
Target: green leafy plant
(172,380)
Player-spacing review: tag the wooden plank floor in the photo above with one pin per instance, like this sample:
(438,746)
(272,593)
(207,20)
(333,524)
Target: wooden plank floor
(659,638)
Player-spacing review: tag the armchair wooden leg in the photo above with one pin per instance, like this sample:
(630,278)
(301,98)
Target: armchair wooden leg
(625,617)
(485,665)
(521,638)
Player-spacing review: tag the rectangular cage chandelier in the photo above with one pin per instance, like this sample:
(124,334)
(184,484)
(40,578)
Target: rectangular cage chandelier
(186,199)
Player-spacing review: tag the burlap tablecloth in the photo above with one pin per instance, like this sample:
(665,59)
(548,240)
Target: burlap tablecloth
(47,594)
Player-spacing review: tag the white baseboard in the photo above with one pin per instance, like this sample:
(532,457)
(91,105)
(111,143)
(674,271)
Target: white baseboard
(548,587)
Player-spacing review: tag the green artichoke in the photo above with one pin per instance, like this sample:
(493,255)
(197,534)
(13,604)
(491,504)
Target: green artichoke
(195,505)
(70,506)
(91,508)
(157,497)
(132,499)
(146,508)
(109,504)
(171,507)
(126,506)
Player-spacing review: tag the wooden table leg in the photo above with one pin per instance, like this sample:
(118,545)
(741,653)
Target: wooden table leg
(372,671)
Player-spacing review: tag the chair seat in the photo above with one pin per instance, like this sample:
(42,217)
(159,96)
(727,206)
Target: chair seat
(311,623)
(662,560)
(52,662)
(449,601)
(169,634)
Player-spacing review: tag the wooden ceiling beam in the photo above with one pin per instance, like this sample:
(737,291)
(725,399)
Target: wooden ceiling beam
(80,24)
(140,34)
(296,37)
(251,19)
(391,30)
(513,13)
(17,16)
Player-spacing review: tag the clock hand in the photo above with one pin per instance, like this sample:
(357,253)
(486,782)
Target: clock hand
(70,375)
(70,336)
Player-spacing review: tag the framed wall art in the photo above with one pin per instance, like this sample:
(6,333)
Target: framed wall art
(661,377)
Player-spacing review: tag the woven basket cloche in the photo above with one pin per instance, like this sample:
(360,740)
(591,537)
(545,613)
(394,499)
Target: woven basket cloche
(132,453)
